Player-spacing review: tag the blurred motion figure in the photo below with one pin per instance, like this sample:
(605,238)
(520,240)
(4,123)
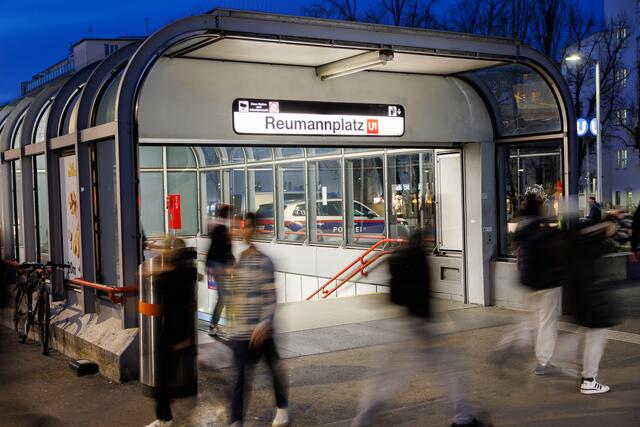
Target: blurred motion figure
(251,296)
(589,299)
(420,353)
(540,264)
(219,259)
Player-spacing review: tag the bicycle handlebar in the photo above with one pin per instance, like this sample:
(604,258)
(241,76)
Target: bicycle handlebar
(30,265)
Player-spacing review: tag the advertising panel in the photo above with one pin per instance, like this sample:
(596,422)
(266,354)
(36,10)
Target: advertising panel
(277,117)
(70,214)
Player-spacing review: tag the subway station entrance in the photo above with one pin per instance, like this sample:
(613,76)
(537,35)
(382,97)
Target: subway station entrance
(342,137)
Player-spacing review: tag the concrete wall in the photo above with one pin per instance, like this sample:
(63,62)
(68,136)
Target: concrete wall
(192,99)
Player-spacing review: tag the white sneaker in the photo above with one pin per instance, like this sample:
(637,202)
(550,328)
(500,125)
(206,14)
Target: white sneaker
(160,423)
(282,418)
(591,386)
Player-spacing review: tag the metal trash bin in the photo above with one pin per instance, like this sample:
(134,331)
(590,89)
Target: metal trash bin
(168,319)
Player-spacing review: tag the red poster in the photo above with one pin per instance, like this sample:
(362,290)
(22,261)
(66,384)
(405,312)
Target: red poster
(173,208)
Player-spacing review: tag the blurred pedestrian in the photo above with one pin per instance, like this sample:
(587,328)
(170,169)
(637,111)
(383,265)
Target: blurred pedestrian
(420,353)
(173,337)
(595,210)
(252,299)
(540,265)
(219,259)
(589,299)
(635,235)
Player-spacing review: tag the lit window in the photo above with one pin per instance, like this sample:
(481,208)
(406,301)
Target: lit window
(622,35)
(621,77)
(621,117)
(629,200)
(622,161)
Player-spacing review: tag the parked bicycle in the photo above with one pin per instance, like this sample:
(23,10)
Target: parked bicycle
(32,306)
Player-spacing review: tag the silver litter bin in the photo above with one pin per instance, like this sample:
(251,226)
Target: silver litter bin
(168,319)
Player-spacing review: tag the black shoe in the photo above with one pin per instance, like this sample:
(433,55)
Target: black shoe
(213,330)
(473,423)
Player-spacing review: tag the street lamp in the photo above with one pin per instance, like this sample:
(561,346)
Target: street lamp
(574,58)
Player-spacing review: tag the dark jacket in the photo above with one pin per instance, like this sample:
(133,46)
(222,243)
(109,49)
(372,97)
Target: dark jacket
(220,249)
(540,254)
(635,231)
(588,297)
(410,280)
(595,212)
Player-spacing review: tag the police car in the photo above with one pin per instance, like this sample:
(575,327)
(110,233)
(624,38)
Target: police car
(367,224)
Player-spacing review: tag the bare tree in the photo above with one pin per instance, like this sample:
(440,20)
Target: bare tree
(607,46)
(485,17)
(421,14)
(337,9)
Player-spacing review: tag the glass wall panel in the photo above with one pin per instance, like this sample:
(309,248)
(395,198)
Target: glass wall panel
(520,168)
(325,180)
(289,152)
(523,100)
(152,203)
(292,209)
(257,154)
(69,113)
(312,152)
(16,189)
(150,157)
(237,194)
(42,209)
(180,158)
(365,200)
(41,127)
(17,134)
(261,200)
(105,113)
(408,209)
(213,194)
(211,156)
(185,184)
(108,215)
(233,155)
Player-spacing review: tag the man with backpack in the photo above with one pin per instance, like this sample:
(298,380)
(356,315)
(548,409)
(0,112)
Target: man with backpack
(540,264)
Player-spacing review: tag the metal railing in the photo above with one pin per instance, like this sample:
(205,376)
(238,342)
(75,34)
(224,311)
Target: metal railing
(111,291)
(356,267)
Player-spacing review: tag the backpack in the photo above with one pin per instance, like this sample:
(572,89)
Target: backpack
(410,282)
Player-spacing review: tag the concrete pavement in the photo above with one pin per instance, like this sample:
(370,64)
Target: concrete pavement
(327,368)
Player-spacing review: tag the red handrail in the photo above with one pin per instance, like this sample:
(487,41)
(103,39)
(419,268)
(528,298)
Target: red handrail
(79,281)
(110,290)
(364,264)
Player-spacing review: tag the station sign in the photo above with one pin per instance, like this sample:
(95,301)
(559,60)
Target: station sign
(584,126)
(278,117)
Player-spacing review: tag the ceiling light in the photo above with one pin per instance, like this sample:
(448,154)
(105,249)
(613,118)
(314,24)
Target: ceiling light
(354,64)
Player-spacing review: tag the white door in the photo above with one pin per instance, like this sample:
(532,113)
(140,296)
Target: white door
(449,199)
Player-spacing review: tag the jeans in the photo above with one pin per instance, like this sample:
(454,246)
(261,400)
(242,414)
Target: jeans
(245,360)
(218,270)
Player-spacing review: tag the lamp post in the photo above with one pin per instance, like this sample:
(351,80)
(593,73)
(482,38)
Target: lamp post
(574,58)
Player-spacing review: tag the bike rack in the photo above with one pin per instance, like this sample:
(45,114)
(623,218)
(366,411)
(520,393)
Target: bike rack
(364,263)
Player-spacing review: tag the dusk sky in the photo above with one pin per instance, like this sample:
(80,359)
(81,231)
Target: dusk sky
(37,33)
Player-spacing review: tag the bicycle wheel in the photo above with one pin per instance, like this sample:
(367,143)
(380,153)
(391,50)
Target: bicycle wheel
(20,315)
(44,319)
